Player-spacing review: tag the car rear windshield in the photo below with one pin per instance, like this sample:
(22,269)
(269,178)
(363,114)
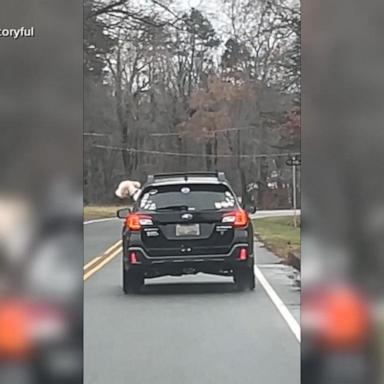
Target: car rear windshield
(193,197)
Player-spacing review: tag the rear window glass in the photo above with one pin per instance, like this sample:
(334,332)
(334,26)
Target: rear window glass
(195,197)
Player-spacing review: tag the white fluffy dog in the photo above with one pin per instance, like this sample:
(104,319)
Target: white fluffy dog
(128,188)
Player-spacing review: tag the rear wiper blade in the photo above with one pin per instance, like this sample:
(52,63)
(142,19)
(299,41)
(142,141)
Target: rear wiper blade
(174,208)
(216,209)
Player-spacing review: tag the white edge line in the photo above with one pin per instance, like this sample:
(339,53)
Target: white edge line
(281,307)
(100,220)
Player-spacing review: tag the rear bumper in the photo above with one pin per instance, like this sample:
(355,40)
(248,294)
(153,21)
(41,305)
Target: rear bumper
(179,264)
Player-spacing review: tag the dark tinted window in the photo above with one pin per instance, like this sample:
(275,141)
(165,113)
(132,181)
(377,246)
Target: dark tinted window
(194,196)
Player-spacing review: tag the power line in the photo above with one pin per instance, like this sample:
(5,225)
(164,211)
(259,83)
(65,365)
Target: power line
(165,153)
(208,131)
(95,134)
(166,134)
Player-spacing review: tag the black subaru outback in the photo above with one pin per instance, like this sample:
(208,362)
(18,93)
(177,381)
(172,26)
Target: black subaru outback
(186,224)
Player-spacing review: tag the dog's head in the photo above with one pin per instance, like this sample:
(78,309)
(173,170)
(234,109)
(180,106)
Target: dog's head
(128,189)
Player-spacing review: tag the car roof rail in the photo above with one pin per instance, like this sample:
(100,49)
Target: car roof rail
(219,175)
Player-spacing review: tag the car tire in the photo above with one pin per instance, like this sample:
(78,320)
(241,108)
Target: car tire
(244,279)
(132,282)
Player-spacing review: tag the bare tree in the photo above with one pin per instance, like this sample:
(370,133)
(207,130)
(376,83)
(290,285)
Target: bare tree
(172,94)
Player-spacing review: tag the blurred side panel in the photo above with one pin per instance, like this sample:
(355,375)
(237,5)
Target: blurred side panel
(343,184)
(41,249)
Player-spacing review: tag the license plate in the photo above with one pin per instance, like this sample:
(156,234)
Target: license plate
(187,230)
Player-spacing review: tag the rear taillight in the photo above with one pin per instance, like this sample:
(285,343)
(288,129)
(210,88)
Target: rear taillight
(243,255)
(238,218)
(133,258)
(135,222)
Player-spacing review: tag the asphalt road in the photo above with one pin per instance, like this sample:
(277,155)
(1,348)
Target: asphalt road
(187,330)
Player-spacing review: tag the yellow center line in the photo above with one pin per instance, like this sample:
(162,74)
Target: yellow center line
(112,247)
(101,265)
(106,253)
(93,261)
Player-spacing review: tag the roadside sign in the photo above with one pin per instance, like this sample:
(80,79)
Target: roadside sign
(294,161)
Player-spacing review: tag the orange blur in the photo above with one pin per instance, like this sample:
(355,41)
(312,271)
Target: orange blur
(14,337)
(346,319)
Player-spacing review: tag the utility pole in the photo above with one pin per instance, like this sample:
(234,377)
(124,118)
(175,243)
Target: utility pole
(294,196)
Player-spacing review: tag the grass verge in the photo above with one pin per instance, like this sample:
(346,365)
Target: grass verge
(278,235)
(100,212)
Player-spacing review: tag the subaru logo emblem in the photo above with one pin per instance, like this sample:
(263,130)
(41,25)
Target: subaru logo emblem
(186,216)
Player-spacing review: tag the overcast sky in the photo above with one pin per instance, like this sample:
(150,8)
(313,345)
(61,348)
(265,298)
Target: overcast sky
(211,8)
